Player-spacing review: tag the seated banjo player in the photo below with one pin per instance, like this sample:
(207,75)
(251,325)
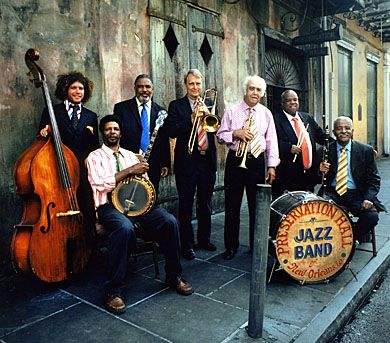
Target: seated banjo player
(107,166)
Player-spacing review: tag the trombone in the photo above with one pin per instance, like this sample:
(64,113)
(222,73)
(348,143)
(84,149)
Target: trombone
(242,146)
(209,122)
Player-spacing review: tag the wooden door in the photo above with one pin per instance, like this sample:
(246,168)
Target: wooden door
(184,36)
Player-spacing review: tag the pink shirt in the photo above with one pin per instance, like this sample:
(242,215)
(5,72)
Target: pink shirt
(234,119)
(101,165)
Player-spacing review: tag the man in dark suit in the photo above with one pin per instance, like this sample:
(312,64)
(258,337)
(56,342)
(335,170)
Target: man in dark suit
(353,181)
(130,112)
(80,132)
(78,127)
(298,134)
(196,170)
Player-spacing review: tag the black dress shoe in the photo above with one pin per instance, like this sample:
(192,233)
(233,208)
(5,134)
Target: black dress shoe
(189,254)
(228,254)
(208,246)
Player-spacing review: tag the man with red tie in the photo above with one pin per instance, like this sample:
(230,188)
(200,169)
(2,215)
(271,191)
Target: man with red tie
(195,171)
(298,134)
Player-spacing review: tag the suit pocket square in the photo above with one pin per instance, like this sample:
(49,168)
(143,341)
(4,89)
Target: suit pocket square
(90,129)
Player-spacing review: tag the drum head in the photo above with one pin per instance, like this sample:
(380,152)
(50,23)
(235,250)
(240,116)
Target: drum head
(314,241)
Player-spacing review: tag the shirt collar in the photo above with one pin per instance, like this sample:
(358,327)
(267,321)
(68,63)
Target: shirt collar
(67,104)
(109,151)
(347,147)
(139,103)
(192,102)
(290,117)
(246,108)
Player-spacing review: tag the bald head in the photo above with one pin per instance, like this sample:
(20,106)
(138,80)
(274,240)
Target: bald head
(290,102)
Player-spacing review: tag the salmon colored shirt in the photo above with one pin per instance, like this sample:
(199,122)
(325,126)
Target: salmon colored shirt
(101,165)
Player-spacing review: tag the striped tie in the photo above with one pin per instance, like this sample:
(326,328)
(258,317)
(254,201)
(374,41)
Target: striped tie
(255,143)
(202,138)
(342,173)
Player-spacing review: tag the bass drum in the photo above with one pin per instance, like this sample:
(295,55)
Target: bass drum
(312,236)
(134,197)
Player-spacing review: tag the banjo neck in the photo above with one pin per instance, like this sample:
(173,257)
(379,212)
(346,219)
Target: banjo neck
(162,114)
(145,157)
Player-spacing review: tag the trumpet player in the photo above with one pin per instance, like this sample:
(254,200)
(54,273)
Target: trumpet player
(248,130)
(195,169)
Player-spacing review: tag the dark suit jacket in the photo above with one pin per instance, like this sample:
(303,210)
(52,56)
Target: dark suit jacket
(363,168)
(179,126)
(288,171)
(81,142)
(132,131)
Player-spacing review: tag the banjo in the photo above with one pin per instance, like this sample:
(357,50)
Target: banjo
(135,195)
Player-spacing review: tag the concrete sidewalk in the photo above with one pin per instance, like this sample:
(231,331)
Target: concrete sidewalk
(218,310)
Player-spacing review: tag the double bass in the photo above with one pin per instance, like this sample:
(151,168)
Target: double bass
(51,241)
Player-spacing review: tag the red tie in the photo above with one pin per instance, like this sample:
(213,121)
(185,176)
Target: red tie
(303,144)
(202,142)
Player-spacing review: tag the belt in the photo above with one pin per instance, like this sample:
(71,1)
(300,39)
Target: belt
(248,154)
(202,152)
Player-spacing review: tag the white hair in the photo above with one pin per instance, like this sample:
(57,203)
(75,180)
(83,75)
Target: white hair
(194,72)
(255,79)
(347,119)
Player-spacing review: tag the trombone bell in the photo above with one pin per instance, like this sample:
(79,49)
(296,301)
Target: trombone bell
(211,123)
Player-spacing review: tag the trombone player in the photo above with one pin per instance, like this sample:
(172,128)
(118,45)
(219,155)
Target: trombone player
(195,163)
(248,130)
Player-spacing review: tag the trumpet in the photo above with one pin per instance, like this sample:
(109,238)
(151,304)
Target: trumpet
(209,122)
(242,146)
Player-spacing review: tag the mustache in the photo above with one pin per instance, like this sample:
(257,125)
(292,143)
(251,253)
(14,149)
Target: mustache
(341,135)
(113,135)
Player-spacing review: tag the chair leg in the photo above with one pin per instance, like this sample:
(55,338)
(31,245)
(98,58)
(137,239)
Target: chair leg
(155,260)
(373,241)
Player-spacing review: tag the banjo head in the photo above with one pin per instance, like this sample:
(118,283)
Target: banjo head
(135,197)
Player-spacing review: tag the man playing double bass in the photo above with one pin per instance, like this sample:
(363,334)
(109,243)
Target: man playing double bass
(107,166)
(78,127)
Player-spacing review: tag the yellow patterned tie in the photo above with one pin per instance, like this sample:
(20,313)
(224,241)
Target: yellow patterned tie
(256,140)
(342,173)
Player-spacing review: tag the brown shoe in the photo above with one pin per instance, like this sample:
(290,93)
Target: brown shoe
(115,304)
(182,286)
